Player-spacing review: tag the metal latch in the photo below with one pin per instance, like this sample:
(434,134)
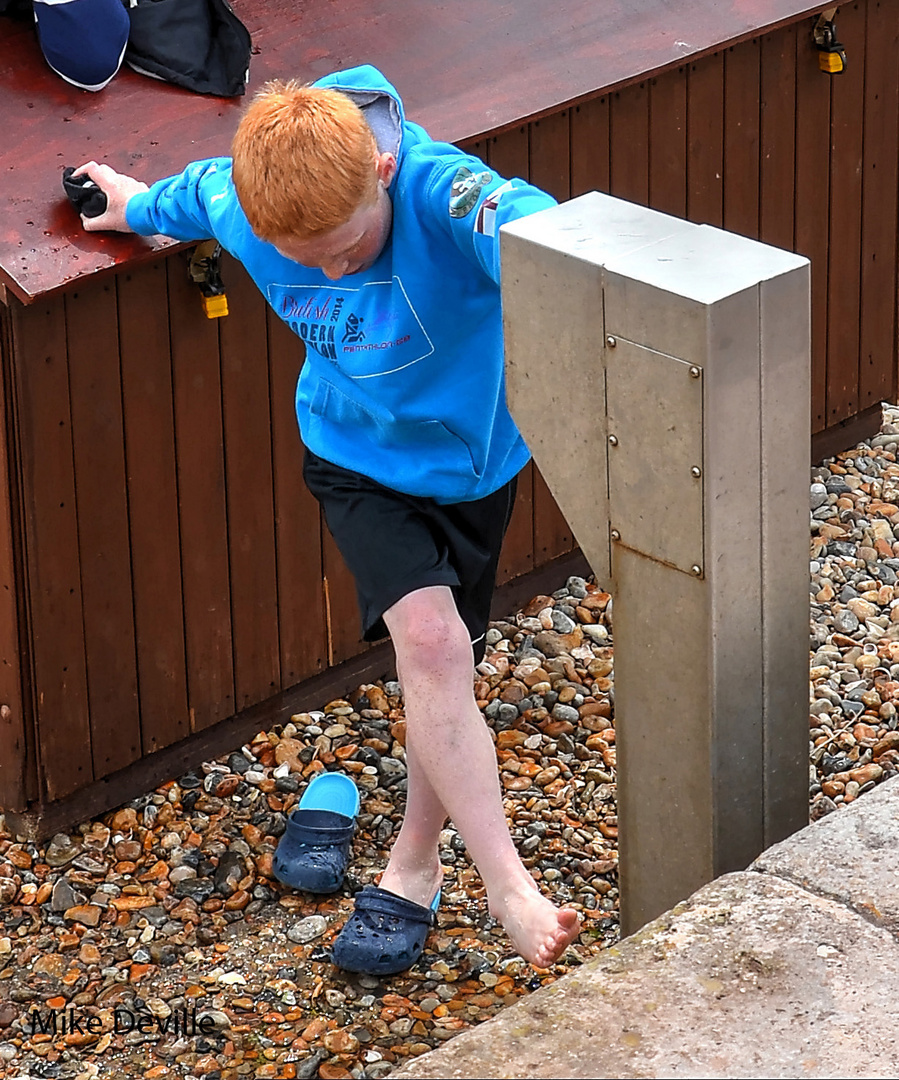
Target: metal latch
(831,53)
(205,271)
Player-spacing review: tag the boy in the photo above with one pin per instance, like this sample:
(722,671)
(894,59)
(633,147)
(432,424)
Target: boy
(380,248)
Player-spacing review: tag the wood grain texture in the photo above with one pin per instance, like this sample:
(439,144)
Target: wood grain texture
(845,208)
(246,411)
(205,572)
(98,442)
(812,199)
(149,430)
(52,565)
(878,353)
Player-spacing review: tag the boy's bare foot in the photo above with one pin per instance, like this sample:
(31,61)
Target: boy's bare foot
(539,930)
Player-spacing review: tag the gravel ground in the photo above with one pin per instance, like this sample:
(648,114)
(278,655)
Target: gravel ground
(164,915)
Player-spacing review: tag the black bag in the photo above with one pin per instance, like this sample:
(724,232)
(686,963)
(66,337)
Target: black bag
(198,44)
(17,9)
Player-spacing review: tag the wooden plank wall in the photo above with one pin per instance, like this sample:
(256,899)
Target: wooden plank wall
(177,571)
(757,140)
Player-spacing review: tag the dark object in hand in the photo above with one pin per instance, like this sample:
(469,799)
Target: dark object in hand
(83,193)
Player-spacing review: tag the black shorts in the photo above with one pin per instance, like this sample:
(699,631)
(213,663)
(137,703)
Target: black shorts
(395,543)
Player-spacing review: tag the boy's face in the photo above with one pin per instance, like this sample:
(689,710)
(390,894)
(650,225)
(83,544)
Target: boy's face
(355,245)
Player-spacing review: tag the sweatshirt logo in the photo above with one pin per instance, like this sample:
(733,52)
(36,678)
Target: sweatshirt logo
(366,331)
(466,189)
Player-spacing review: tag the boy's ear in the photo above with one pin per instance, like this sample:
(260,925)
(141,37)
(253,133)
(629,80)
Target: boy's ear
(385,166)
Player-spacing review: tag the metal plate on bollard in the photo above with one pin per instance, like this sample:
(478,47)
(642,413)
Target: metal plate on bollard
(654,406)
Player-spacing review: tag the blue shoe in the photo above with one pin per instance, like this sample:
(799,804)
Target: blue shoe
(385,934)
(313,853)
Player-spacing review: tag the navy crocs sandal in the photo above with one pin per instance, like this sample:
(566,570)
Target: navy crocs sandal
(385,934)
(314,850)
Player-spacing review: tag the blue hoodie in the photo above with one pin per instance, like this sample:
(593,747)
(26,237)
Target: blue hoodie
(403,378)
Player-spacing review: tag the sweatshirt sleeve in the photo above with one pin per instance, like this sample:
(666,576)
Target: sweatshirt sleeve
(185,206)
(471,202)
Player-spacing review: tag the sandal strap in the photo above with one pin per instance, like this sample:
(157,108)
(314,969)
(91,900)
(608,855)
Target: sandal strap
(320,827)
(384,902)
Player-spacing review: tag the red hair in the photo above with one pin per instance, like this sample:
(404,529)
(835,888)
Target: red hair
(304,160)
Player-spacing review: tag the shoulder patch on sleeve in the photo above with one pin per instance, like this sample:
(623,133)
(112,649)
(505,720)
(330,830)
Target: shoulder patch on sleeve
(466,190)
(486,220)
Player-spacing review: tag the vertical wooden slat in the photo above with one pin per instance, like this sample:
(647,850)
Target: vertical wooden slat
(812,199)
(250,502)
(705,140)
(517,556)
(629,144)
(741,138)
(201,495)
(844,255)
(153,504)
(341,606)
(777,137)
(509,153)
(301,598)
(63,728)
(98,440)
(550,155)
(668,142)
(550,171)
(14,764)
(877,375)
(589,139)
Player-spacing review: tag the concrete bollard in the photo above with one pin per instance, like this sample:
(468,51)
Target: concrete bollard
(659,371)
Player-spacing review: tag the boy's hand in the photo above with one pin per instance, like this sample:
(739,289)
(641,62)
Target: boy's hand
(118,189)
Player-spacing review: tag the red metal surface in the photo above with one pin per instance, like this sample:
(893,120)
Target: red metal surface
(464,69)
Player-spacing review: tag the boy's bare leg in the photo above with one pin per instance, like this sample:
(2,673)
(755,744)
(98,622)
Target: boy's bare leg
(414,869)
(449,742)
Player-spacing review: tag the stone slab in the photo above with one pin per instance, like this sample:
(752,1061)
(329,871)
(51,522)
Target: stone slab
(852,855)
(751,977)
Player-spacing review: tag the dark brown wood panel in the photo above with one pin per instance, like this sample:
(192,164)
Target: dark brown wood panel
(668,142)
(341,607)
(741,138)
(250,499)
(880,183)
(589,125)
(518,547)
(301,599)
(54,573)
(844,254)
(705,140)
(812,199)
(550,164)
(14,764)
(629,144)
(509,153)
(201,500)
(149,421)
(777,138)
(98,440)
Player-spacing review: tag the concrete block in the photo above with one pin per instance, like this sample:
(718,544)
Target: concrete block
(851,856)
(751,977)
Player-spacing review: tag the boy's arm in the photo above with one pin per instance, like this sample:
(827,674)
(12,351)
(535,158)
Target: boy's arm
(178,206)
(472,202)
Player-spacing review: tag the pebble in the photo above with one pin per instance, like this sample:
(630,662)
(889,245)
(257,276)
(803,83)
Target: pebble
(170,900)
(854,642)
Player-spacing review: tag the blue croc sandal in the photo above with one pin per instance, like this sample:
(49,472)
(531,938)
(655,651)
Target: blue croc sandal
(385,934)
(313,853)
